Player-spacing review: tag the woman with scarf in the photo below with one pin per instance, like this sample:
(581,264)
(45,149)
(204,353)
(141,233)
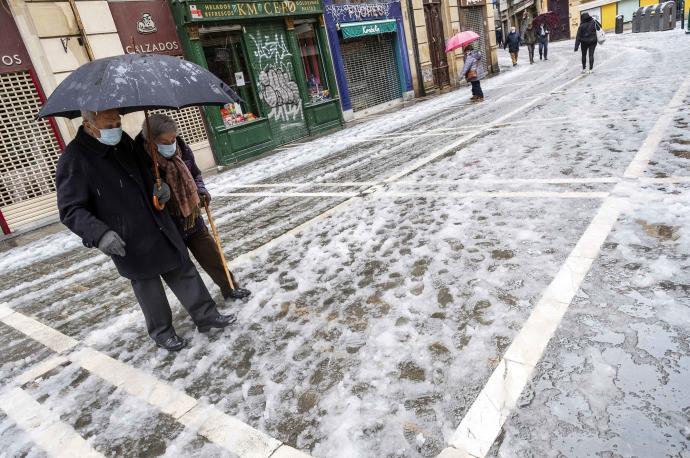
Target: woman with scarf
(188,193)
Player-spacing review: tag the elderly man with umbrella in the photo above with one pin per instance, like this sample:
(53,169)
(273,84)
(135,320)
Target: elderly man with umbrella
(109,196)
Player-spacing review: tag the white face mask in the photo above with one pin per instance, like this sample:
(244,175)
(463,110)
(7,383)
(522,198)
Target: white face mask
(110,137)
(167,151)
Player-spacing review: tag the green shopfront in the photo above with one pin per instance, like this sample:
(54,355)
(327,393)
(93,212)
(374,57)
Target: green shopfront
(276,57)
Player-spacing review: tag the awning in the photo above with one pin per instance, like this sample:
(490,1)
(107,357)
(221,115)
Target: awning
(361,29)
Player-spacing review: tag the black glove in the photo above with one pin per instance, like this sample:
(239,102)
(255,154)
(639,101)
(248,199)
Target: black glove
(162,193)
(111,244)
(205,196)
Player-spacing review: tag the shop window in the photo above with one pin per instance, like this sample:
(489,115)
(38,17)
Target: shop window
(226,59)
(312,60)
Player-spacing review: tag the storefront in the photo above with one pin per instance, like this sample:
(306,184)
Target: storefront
(369,53)
(275,56)
(29,148)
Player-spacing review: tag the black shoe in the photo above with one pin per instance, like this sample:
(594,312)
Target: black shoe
(237,293)
(218,322)
(172,343)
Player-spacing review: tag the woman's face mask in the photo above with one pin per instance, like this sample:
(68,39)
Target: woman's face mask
(167,151)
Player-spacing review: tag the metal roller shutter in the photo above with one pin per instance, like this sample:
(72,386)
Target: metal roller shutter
(371,70)
(29,152)
(472,18)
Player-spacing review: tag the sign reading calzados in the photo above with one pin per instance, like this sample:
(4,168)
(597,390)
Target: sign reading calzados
(222,10)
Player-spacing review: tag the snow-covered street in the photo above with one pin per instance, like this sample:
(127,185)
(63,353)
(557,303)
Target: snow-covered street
(510,278)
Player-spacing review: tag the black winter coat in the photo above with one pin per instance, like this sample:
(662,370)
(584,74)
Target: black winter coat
(512,42)
(101,188)
(587,32)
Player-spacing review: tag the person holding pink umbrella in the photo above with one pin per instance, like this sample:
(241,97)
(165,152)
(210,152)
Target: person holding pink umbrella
(473,72)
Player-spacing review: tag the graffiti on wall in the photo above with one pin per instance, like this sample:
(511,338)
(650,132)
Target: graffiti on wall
(358,11)
(277,89)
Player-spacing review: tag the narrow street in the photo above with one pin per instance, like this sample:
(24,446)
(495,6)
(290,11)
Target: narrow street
(504,279)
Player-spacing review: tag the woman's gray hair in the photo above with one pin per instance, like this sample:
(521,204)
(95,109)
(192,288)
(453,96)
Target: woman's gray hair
(160,124)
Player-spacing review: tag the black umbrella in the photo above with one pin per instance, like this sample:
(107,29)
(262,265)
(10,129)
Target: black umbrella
(136,82)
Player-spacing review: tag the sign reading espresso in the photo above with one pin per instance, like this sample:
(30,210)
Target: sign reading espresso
(146,27)
(13,55)
(201,11)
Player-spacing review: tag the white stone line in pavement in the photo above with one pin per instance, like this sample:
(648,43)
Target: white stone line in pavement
(208,421)
(458,194)
(459,181)
(650,144)
(40,369)
(484,420)
(44,426)
(47,336)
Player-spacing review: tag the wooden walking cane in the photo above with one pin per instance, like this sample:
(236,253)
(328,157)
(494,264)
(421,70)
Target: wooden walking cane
(220,248)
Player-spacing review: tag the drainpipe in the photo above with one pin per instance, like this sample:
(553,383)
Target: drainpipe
(80,26)
(415,49)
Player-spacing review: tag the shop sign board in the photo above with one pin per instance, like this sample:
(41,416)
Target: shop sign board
(207,11)
(13,55)
(146,27)
(361,29)
(467,3)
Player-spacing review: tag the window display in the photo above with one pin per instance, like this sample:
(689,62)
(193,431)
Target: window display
(225,58)
(312,61)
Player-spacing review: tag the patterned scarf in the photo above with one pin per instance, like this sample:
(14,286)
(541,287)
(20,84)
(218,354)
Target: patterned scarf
(184,201)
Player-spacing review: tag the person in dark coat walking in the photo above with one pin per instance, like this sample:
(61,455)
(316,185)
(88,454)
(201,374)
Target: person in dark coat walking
(513,44)
(530,39)
(104,195)
(499,36)
(178,168)
(587,39)
(543,38)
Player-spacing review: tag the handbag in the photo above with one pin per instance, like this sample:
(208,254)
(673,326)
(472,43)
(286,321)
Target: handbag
(471,74)
(601,35)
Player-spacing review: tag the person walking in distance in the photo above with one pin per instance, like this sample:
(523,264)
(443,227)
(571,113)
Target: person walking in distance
(473,71)
(104,195)
(513,44)
(530,39)
(543,39)
(188,195)
(587,39)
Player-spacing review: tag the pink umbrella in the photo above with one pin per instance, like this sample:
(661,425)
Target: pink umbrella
(460,40)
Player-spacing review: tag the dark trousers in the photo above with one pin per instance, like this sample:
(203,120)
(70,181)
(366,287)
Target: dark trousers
(588,48)
(205,251)
(543,49)
(530,49)
(477,89)
(185,282)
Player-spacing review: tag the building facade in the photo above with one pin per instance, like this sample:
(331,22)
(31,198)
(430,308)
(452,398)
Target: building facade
(605,11)
(431,24)
(275,55)
(370,56)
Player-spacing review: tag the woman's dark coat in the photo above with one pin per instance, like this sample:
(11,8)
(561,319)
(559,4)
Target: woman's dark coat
(188,158)
(101,188)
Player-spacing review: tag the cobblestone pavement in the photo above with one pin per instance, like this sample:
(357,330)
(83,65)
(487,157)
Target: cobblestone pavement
(398,268)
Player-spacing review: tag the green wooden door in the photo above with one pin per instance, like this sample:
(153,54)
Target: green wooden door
(271,59)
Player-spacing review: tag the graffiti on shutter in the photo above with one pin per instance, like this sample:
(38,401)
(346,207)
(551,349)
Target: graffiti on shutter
(278,91)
